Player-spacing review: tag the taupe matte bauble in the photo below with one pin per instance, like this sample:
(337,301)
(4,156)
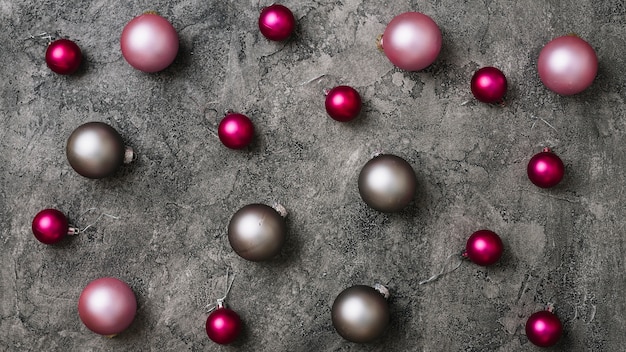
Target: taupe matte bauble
(361,313)
(387,183)
(257,232)
(96,150)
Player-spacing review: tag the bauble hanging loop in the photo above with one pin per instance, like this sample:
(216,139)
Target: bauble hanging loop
(276,22)
(63,56)
(544,328)
(361,313)
(107,306)
(235,131)
(489,85)
(567,65)
(545,169)
(223,325)
(343,103)
(387,183)
(149,42)
(96,150)
(257,232)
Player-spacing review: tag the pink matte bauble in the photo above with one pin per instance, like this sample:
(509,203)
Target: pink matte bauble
(545,169)
(149,43)
(236,131)
(343,103)
(63,56)
(412,41)
(544,329)
(489,85)
(484,247)
(223,326)
(50,226)
(276,22)
(567,65)
(107,306)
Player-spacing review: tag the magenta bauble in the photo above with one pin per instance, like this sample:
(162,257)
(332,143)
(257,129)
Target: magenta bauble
(63,56)
(412,41)
(567,65)
(544,328)
(107,306)
(50,226)
(276,22)
(545,169)
(236,131)
(223,325)
(343,103)
(484,247)
(149,43)
(489,85)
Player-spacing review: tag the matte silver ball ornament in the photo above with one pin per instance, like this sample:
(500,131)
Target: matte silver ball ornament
(257,232)
(361,313)
(96,150)
(387,183)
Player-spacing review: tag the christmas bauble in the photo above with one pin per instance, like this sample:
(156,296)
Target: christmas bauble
(107,306)
(489,85)
(149,43)
(484,247)
(412,41)
(50,226)
(360,314)
(236,131)
(276,22)
(257,232)
(223,325)
(567,65)
(387,183)
(545,169)
(63,56)
(343,103)
(544,328)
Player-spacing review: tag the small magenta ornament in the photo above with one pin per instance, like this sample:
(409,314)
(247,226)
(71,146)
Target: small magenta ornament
(343,103)
(544,328)
(545,169)
(235,131)
(489,85)
(276,22)
(223,325)
(63,56)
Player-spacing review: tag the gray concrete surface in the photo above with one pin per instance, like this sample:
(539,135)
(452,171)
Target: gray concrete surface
(563,246)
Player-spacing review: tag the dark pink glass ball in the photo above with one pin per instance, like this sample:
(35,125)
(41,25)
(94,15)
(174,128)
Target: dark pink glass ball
(343,103)
(276,22)
(484,247)
(236,131)
(223,326)
(412,41)
(63,56)
(545,169)
(107,306)
(544,329)
(50,226)
(567,65)
(489,85)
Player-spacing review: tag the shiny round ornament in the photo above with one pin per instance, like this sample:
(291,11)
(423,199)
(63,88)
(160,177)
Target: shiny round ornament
(96,150)
(343,103)
(51,226)
(545,169)
(361,313)
(63,56)
(107,306)
(236,131)
(387,183)
(489,85)
(276,22)
(567,65)
(544,328)
(149,43)
(411,41)
(223,325)
(484,248)
(257,232)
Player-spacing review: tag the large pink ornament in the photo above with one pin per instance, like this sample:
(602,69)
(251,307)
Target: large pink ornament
(484,247)
(343,103)
(223,325)
(544,328)
(107,306)
(236,131)
(51,226)
(63,56)
(489,85)
(411,41)
(545,169)
(567,65)
(276,22)
(149,43)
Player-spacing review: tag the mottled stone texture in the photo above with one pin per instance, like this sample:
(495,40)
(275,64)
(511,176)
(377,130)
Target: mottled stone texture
(563,246)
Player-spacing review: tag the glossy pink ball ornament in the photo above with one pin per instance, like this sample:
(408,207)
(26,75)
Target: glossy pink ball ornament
(343,103)
(484,248)
(489,85)
(545,169)
(411,41)
(63,56)
(276,22)
(107,306)
(236,131)
(149,43)
(223,325)
(51,226)
(544,328)
(567,65)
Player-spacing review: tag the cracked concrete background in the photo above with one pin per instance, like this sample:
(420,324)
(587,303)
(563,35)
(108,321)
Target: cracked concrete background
(563,246)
